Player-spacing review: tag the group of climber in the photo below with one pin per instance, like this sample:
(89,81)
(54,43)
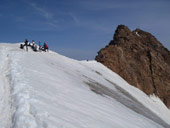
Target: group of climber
(34,46)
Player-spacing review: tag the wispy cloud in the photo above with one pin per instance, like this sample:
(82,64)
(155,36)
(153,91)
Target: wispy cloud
(97,5)
(100,5)
(74,17)
(50,21)
(53,24)
(50,17)
(46,14)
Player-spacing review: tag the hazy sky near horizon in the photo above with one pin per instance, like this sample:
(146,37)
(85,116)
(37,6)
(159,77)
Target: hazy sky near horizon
(80,28)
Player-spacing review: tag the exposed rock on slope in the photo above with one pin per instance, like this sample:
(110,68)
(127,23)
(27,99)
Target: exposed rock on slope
(140,59)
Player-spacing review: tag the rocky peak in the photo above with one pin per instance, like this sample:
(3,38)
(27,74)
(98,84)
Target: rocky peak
(122,34)
(140,59)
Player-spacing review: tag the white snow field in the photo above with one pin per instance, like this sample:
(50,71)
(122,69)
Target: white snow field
(48,90)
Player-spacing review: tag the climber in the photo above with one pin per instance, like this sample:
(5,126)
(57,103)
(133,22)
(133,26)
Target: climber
(21,46)
(32,44)
(35,48)
(45,47)
(40,46)
(26,44)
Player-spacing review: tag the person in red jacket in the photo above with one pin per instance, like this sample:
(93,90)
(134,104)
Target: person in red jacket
(45,47)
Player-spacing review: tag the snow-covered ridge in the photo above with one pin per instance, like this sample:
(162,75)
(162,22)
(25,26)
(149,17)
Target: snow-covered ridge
(48,90)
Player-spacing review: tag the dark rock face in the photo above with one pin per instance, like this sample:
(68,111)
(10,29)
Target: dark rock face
(140,59)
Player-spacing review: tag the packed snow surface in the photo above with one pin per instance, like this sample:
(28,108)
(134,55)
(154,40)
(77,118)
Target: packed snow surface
(48,90)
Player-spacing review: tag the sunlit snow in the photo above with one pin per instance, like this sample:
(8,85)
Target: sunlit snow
(48,90)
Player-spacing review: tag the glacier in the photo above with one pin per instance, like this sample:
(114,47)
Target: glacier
(48,90)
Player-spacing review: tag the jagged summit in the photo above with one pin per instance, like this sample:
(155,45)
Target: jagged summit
(140,59)
(121,34)
(124,35)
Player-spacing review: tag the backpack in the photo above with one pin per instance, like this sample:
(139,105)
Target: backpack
(21,46)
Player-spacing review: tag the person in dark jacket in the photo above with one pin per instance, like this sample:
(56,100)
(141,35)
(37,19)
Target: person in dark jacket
(26,44)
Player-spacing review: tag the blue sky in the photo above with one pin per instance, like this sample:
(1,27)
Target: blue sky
(80,28)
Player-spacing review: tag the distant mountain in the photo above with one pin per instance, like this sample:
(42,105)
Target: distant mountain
(140,59)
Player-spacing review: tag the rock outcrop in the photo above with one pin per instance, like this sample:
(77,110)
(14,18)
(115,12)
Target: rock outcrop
(140,59)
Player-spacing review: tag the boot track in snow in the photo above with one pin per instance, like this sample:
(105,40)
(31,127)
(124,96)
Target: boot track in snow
(6,109)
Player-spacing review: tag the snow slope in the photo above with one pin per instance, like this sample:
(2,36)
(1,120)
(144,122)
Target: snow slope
(48,90)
